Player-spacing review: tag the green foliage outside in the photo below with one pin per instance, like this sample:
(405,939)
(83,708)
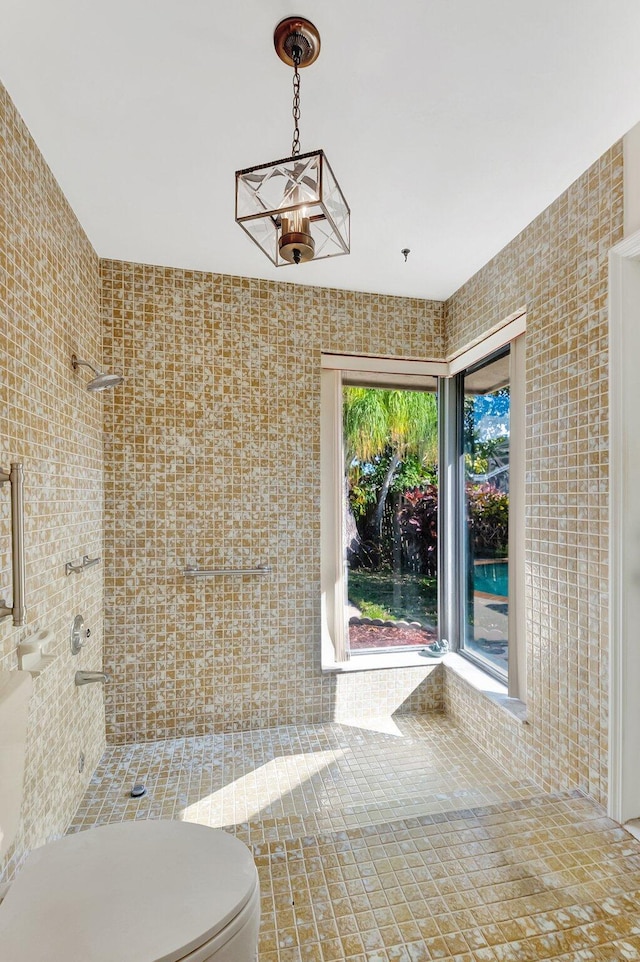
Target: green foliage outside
(391,443)
(396,597)
(391,497)
(390,439)
(367,479)
(371,609)
(488,520)
(378,421)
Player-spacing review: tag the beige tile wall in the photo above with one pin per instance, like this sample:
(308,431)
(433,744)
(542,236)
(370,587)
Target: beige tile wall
(223,375)
(557,267)
(212,456)
(49,308)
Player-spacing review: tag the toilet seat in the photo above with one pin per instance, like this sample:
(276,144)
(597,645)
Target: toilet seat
(144,891)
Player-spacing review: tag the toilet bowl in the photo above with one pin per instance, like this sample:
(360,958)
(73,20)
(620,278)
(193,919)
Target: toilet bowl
(143,891)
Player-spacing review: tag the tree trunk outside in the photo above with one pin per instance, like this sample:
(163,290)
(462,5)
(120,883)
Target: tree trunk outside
(352,541)
(374,528)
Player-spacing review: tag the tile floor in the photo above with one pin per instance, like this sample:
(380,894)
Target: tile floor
(394,840)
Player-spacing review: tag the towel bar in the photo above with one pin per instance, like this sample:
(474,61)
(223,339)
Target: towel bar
(193,572)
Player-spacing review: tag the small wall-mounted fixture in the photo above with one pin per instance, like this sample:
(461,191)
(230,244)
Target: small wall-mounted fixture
(33,653)
(294,209)
(78,635)
(101,381)
(91,677)
(406,251)
(75,569)
(17,610)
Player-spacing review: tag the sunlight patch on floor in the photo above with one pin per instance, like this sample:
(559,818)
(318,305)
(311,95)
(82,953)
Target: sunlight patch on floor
(386,725)
(282,785)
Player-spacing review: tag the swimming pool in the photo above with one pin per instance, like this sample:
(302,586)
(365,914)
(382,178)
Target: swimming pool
(491,578)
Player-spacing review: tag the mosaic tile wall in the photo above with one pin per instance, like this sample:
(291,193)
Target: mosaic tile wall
(557,268)
(212,456)
(494,730)
(49,308)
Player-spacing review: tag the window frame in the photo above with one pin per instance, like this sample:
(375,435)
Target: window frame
(512,335)
(461,523)
(337,369)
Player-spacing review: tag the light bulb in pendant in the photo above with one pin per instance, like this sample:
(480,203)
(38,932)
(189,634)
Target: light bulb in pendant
(296,243)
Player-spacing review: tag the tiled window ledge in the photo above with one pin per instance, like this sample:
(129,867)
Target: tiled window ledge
(488,686)
(400,659)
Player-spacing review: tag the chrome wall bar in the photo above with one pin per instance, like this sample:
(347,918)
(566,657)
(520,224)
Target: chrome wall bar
(192,572)
(15,477)
(74,569)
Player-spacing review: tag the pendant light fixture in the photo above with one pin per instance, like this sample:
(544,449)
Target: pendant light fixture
(293,208)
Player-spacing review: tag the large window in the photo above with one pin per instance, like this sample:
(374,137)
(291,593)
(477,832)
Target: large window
(422,507)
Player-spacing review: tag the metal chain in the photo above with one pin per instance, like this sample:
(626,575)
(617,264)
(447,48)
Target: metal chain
(295,146)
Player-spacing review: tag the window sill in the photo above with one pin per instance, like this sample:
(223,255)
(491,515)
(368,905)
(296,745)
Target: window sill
(473,676)
(400,659)
(490,687)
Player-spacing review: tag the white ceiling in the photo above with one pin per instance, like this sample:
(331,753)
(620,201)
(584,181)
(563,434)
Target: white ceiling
(449,123)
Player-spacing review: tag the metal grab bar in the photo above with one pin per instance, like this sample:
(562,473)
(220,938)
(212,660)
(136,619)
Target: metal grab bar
(192,572)
(87,562)
(15,477)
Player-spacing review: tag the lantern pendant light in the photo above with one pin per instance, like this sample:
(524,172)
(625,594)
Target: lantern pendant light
(294,209)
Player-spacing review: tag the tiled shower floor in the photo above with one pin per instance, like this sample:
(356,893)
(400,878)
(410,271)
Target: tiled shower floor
(394,841)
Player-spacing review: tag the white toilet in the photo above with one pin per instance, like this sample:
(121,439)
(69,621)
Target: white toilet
(143,891)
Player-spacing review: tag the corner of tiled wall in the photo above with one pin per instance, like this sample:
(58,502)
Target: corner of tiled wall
(49,309)
(558,269)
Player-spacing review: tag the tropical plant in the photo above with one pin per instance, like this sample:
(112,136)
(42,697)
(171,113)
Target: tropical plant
(417,523)
(385,431)
(417,520)
(488,518)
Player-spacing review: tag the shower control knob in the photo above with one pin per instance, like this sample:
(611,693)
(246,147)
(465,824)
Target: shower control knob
(78,634)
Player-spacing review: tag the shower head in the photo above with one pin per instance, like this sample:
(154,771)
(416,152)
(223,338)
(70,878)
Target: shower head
(104,381)
(101,382)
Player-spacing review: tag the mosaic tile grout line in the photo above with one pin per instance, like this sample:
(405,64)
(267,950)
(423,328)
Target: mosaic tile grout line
(529,876)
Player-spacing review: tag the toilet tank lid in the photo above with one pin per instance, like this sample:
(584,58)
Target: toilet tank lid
(143,891)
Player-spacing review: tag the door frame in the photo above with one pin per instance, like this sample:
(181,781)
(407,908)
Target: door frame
(624,530)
